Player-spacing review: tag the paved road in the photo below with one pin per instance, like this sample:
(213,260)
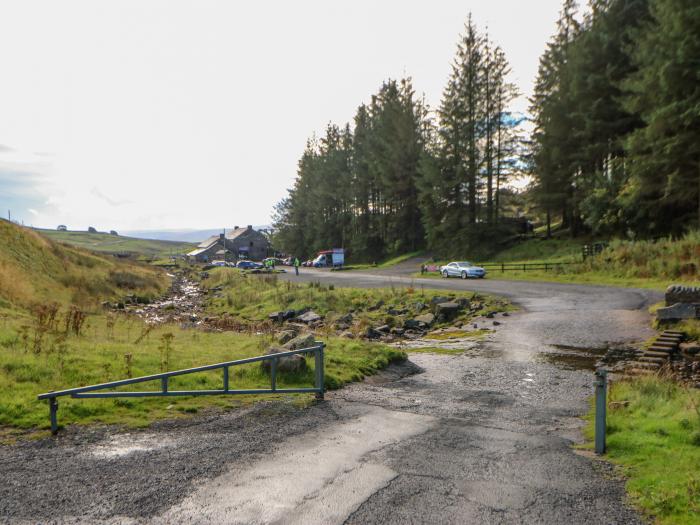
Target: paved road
(481,437)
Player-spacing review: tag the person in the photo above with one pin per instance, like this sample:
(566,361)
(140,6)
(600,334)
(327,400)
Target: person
(296,265)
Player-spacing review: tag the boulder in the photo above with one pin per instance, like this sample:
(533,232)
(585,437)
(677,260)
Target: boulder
(439,299)
(419,307)
(682,294)
(309,317)
(285,336)
(373,333)
(385,328)
(300,341)
(690,348)
(679,311)
(394,311)
(293,364)
(348,335)
(344,322)
(398,331)
(427,319)
(448,309)
(376,306)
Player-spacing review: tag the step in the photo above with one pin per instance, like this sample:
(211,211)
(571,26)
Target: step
(647,366)
(665,344)
(650,353)
(665,349)
(669,339)
(658,360)
(638,371)
(673,332)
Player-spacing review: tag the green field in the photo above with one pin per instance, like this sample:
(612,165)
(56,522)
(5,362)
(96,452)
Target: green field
(654,435)
(104,242)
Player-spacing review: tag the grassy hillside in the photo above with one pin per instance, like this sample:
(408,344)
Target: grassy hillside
(34,269)
(648,264)
(104,242)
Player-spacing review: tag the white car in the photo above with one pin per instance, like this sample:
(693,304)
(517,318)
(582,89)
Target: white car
(462,269)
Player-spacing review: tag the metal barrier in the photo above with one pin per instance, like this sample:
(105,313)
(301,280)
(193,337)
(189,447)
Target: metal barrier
(89,392)
(601,388)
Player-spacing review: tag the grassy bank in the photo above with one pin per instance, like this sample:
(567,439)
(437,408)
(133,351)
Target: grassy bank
(654,435)
(111,348)
(34,269)
(251,298)
(642,264)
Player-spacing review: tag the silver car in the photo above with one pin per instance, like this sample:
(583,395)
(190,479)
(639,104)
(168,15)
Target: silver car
(462,269)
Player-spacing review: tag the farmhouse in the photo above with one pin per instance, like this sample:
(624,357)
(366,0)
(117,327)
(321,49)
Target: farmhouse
(239,243)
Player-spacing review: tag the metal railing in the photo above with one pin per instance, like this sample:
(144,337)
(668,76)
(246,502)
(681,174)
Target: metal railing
(92,391)
(524,267)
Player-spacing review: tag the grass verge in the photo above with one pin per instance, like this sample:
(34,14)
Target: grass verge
(654,435)
(114,348)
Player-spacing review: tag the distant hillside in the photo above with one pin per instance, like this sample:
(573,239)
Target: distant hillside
(104,242)
(195,236)
(34,269)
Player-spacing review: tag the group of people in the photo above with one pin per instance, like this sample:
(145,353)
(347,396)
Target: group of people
(270,264)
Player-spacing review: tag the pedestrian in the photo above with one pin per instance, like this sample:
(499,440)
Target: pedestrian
(296,265)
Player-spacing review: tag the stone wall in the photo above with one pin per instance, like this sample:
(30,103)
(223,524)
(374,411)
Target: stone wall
(677,293)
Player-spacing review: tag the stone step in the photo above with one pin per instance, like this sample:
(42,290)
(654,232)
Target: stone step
(639,371)
(664,349)
(658,360)
(665,344)
(673,332)
(647,366)
(669,339)
(650,353)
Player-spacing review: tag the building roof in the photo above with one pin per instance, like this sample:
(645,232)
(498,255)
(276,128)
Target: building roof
(196,252)
(209,242)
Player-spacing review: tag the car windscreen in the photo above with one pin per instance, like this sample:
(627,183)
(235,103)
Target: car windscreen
(464,264)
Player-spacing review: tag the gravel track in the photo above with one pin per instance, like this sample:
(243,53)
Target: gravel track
(481,437)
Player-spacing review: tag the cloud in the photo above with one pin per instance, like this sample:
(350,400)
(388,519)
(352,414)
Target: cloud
(33,211)
(97,193)
(5,149)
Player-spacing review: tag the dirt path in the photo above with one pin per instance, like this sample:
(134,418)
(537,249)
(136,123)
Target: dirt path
(479,437)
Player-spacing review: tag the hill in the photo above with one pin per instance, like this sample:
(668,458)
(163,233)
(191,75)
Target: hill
(35,269)
(104,242)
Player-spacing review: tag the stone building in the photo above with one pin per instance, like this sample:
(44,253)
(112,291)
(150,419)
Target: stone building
(239,243)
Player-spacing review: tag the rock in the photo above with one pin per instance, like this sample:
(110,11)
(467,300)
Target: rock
(373,333)
(505,314)
(347,319)
(463,302)
(276,317)
(427,319)
(690,348)
(288,364)
(285,336)
(300,341)
(309,317)
(419,307)
(347,335)
(376,306)
(394,311)
(398,331)
(385,328)
(439,299)
(682,294)
(679,311)
(448,309)
(496,323)
(489,315)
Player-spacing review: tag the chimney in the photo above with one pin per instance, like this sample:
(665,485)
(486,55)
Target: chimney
(250,227)
(222,236)
(235,227)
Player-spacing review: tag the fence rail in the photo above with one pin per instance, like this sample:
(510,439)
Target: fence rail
(506,267)
(93,391)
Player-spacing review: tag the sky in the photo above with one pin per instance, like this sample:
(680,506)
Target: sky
(193,114)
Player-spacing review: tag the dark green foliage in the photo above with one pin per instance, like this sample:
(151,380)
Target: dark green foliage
(616,110)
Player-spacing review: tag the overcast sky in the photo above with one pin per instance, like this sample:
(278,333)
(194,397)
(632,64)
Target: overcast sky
(193,114)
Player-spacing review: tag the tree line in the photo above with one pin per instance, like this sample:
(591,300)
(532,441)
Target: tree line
(403,177)
(616,110)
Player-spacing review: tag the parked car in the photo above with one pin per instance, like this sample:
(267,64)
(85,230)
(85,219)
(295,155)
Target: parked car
(308,263)
(218,263)
(462,269)
(278,262)
(249,265)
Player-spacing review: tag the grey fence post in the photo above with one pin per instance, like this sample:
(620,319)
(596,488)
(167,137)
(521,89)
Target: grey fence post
(319,371)
(601,387)
(53,409)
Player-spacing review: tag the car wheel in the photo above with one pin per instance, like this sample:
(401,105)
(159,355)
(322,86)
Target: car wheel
(481,276)
(464,275)
(445,275)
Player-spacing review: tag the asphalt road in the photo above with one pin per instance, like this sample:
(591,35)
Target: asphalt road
(481,437)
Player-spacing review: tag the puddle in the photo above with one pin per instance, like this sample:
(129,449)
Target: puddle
(125,444)
(575,358)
